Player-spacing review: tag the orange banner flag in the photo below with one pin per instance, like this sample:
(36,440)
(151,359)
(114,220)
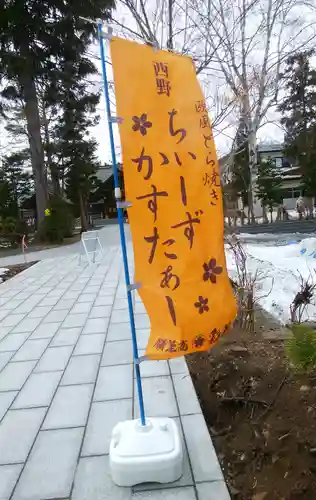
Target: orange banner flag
(172,179)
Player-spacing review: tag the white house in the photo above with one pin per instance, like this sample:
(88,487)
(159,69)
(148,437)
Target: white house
(291,177)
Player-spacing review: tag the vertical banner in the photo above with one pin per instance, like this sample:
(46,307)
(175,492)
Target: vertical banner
(172,180)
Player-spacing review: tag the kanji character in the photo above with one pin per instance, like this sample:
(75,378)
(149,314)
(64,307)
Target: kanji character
(171,309)
(154,240)
(152,203)
(163,86)
(198,341)
(226,327)
(200,107)
(183,345)
(168,276)
(169,243)
(140,160)
(189,230)
(214,336)
(214,177)
(161,69)
(174,132)
(160,344)
(204,121)
(183,191)
(206,179)
(172,346)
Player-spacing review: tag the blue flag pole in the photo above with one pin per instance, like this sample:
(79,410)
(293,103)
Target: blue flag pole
(117,191)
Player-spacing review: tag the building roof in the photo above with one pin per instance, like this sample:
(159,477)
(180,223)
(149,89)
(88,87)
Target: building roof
(105,172)
(261,148)
(269,147)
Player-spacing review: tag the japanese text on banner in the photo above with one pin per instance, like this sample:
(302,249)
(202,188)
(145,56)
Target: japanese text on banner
(172,180)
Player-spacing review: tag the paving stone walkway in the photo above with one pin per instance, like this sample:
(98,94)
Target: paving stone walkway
(109,236)
(66,378)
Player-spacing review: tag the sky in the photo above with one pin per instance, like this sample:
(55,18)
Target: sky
(191,37)
(223,137)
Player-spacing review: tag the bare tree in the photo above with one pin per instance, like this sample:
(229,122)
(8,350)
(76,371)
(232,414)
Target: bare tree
(239,44)
(171,25)
(250,41)
(19,135)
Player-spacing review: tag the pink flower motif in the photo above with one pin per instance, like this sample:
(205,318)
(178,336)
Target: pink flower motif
(211,271)
(201,305)
(141,123)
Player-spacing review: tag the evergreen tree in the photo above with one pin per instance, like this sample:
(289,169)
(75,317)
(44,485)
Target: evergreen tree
(35,35)
(268,185)
(74,144)
(15,183)
(299,117)
(72,151)
(240,169)
(104,190)
(241,172)
(81,164)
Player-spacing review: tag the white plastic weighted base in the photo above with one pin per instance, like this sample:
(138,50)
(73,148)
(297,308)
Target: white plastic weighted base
(142,454)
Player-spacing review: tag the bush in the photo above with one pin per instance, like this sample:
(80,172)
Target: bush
(59,224)
(302,299)
(301,348)
(21,229)
(12,231)
(8,225)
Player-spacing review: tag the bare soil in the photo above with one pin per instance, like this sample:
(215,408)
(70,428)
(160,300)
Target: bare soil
(261,415)
(16,269)
(36,246)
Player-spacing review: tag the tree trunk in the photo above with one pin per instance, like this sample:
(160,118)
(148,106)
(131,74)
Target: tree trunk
(36,145)
(83,216)
(264,214)
(63,186)
(309,203)
(251,187)
(52,167)
(242,216)
(170,25)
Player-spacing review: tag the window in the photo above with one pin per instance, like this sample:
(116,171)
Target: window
(297,193)
(287,193)
(286,163)
(291,193)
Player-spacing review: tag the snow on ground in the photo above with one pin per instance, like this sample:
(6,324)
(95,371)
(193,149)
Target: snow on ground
(280,268)
(273,238)
(3,270)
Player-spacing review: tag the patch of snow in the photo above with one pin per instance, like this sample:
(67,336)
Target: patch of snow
(3,270)
(272,236)
(280,269)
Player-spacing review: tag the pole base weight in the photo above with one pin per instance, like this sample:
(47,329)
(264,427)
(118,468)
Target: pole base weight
(146,454)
